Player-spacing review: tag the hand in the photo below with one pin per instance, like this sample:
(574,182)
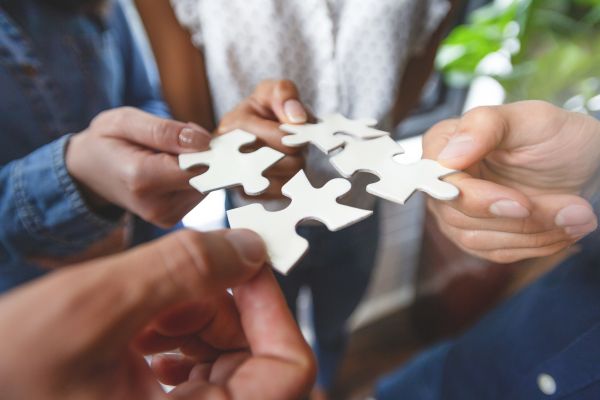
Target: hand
(129,158)
(525,167)
(273,103)
(93,323)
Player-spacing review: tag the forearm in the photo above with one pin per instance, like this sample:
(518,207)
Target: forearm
(184,83)
(42,210)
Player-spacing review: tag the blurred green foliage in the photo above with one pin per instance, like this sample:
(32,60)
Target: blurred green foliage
(553,46)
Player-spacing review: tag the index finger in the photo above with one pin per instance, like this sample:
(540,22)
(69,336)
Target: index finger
(151,131)
(283,98)
(282,364)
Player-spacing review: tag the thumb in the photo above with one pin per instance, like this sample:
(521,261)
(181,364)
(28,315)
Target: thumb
(136,286)
(153,132)
(283,98)
(458,144)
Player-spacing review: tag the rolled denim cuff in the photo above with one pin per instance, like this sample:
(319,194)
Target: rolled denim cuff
(49,205)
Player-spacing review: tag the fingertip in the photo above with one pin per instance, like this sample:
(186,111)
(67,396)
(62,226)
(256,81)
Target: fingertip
(483,199)
(295,112)
(193,137)
(507,208)
(577,220)
(249,246)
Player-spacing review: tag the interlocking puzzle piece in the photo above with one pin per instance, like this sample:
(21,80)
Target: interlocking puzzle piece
(278,229)
(228,167)
(397,182)
(323,134)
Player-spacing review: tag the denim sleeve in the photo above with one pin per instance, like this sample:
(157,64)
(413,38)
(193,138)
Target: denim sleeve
(140,90)
(41,209)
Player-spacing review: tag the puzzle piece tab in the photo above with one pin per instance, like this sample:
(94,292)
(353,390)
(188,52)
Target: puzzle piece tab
(228,167)
(323,134)
(278,229)
(397,182)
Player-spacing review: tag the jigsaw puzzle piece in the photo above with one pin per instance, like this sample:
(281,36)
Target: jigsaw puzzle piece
(397,182)
(365,155)
(323,134)
(278,229)
(284,246)
(228,143)
(321,204)
(228,167)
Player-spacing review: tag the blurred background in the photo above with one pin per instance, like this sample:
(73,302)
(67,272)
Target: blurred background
(424,289)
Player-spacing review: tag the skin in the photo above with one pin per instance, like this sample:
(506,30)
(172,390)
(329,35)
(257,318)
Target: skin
(99,319)
(274,102)
(186,89)
(147,179)
(533,158)
(184,83)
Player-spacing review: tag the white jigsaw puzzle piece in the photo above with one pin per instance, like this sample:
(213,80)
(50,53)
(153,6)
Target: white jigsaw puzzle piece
(397,182)
(278,229)
(323,134)
(228,167)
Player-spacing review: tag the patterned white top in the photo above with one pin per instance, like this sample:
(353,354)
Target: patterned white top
(346,56)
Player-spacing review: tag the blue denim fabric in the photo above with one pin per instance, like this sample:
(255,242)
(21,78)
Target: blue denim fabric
(57,71)
(551,327)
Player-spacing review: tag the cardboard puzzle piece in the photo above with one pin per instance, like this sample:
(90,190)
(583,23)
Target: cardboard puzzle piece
(228,167)
(323,134)
(397,182)
(278,229)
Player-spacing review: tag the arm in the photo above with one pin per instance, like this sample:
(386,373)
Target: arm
(53,202)
(41,209)
(184,83)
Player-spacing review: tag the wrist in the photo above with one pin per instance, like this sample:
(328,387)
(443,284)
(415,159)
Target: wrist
(75,157)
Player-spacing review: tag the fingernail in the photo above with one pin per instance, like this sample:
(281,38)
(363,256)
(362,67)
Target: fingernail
(294,111)
(194,138)
(248,244)
(574,215)
(509,209)
(457,146)
(579,231)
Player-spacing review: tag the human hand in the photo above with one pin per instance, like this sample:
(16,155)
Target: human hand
(128,158)
(94,322)
(525,165)
(274,102)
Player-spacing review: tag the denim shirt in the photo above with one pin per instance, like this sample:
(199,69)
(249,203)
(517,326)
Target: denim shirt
(57,71)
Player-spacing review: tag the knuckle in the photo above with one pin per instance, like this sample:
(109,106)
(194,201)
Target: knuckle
(135,179)
(266,84)
(451,216)
(483,113)
(114,119)
(164,132)
(503,256)
(469,239)
(540,240)
(197,253)
(446,126)
(540,107)
(285,86)
(482,116)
